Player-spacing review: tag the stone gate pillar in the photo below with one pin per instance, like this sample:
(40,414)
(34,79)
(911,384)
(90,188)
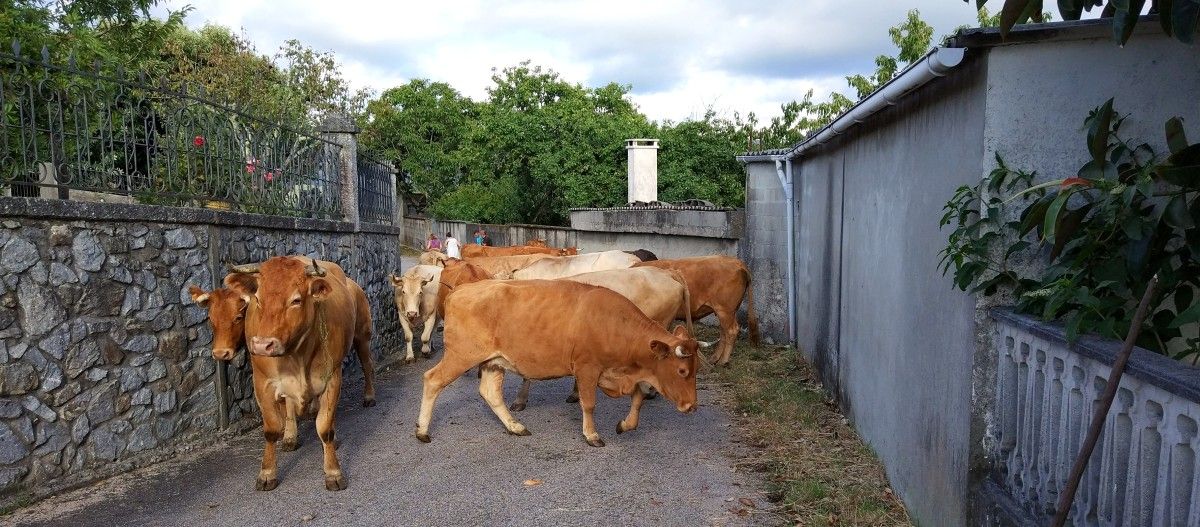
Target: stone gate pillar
(341,130)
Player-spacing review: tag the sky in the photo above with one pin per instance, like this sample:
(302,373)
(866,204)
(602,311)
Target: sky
(681,57)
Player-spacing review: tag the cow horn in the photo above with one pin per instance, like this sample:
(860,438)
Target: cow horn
(244,268)
(679,352)
(315,270)
(706,345)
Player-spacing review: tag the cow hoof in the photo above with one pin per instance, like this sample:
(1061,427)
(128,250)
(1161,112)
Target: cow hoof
(289,446)
(427,355)
(596,443)
(424,438)
(573,398)
(516,407)
(367,403)
(338,483)
(522,432)
(621,428)
(265,485)
(409,360)
(337,443)
(652,394)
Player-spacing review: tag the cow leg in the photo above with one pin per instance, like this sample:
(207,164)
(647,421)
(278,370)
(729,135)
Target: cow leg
(635,407)
(268,477)
(491,388)
(729,333)
(426,334)
(362,348)
(574,397)
(436,379)
(587,382)
(522,396)
(291,439)
(408,338)
(334,480)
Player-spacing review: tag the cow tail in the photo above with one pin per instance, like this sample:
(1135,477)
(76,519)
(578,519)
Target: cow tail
(687,301)
(751,318)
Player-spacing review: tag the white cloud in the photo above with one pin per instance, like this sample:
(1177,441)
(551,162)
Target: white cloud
(680,56)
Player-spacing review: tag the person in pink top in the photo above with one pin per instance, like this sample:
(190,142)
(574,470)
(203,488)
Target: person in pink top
(433,243)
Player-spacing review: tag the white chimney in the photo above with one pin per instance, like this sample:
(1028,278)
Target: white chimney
(643,169)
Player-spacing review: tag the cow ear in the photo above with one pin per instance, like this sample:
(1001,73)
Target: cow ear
(198,296)
(660,348)
(681,331)
(319,288)
(244,284)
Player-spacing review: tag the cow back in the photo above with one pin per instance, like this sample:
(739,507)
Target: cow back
(572,265)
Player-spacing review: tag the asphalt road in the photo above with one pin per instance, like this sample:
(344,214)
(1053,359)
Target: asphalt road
(675,469)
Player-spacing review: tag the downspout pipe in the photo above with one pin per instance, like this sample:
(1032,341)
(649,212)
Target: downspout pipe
(783,169)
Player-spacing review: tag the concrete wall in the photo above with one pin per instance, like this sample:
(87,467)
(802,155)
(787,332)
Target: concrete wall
(766,224)
(105,361)
(910,358)
(889,334)
(668,233)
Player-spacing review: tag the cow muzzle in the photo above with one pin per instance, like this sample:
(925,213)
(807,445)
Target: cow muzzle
(266,346)
(687,408)
(223,354)
(412,315)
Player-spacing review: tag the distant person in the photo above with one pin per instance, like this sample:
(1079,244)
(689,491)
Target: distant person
(479,236)
(485,239)
(453,247)
(433,243)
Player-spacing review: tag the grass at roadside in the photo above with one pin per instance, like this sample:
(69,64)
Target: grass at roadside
(818,470)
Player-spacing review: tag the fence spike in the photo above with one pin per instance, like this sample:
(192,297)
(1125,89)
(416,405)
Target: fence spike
(97,65)
(71,60)
(16,47)
(46,55)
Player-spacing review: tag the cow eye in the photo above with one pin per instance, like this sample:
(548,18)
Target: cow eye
(297,301)
(683,372)
(239,317)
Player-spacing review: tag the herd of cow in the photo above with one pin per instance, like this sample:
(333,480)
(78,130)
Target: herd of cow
(541,312)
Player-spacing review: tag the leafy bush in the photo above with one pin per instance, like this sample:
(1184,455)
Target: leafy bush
(1125,216)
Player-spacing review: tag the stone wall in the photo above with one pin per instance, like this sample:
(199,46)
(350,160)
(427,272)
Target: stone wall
(104,360)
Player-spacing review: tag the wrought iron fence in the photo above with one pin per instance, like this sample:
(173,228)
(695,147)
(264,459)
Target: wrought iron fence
(376,190)
(66,128)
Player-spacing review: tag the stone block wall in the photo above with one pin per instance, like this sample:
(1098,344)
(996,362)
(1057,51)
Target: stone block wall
(104,359)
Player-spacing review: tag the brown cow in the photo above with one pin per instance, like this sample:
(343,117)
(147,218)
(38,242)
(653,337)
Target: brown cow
(301,319)
(472,250)
(437,258)
(495,265)
(660,294)
(545,329)
(226,311)
(717,285)
(456,273)
(416,296)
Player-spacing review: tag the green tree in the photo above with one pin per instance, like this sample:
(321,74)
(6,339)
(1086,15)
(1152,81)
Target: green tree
(422,127)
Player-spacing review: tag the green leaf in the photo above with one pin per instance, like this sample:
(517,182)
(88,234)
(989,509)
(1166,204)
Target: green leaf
(1051,220)
(1164,9)
(1016,248)
(1184,17)
(1011,13)
(1187,177)
(1034,214)
(1177,214)
(1126,18)
(1176,138)
(1070,9)
(1187,316)
(1183,296)
(1066,228)
(1099,130)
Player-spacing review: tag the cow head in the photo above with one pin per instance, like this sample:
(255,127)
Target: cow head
(226,312)
(408,294)
(676,362)
(283,295)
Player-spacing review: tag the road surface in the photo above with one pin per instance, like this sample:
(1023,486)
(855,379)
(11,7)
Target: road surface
(675,469)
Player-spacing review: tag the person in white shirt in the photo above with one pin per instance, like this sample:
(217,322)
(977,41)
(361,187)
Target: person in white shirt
(453,247)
